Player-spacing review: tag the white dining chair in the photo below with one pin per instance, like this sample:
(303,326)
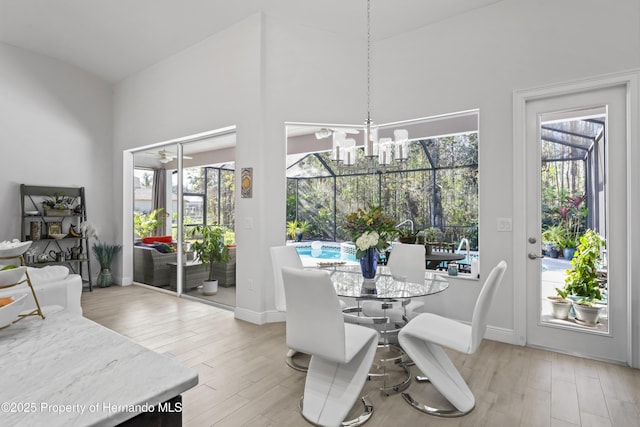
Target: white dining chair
(425,335)
(341,353)
(285,256)
(407,264)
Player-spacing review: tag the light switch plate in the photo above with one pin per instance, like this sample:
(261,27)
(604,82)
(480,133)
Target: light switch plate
(248,223)
(504,224)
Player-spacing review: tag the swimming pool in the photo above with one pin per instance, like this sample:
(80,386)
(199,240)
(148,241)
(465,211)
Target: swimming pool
(325,253)
(346,251)
(327,250)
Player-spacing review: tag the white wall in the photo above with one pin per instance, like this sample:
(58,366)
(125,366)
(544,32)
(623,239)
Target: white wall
(255,75)
(212,85)
(263,72)
(55,129)
(477,60)
(297,74)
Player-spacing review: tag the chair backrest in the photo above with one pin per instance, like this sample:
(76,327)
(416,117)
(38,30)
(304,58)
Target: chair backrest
(315,325)
(485,298)
(282,256)
(407,262)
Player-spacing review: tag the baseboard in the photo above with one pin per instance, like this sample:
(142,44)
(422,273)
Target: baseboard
(255,317)
(276,316)
(123,281)
(504,335)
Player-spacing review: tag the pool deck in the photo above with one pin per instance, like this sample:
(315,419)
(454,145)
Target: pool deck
(310,262)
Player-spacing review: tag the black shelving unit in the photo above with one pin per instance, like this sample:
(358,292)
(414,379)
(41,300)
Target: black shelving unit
(33,210)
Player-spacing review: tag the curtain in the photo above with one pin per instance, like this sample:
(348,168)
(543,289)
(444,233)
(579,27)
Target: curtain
(159,198)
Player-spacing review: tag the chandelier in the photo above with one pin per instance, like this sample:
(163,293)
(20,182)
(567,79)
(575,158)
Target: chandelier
(379,153)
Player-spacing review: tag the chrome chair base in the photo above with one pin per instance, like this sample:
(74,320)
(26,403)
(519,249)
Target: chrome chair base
(446,413)
(291,362)
(358,421)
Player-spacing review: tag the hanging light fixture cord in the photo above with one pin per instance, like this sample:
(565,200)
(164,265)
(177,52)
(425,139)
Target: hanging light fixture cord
(369,67)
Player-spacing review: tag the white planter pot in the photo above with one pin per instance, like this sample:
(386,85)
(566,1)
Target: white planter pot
(560,309)
(210,287)
(588,315)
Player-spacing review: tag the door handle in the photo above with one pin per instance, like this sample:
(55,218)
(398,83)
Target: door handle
(534,256)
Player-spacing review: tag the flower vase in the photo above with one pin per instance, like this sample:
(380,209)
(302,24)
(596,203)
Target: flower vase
(105,278)
(369,263)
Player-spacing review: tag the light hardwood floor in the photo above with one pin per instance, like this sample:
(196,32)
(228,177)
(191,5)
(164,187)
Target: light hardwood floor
(243,379)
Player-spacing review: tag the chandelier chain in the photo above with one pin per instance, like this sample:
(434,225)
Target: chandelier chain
(368,61)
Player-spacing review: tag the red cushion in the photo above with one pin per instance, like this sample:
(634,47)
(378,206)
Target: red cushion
(161,239)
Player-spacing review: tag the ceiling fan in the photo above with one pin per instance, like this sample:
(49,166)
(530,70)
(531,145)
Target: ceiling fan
(327,132)
(167,156)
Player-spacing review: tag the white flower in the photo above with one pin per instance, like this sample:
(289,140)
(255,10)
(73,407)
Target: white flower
(368,239)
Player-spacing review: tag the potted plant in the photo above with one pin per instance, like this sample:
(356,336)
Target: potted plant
(209,247)
(58,205)
(565,235)
(582,281)
(563,241)
(105,253)
(296,229)
(405,235)
(560,305)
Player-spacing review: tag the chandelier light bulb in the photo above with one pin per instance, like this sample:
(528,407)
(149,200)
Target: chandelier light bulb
(385,152)
(337,145)
(402,144)
(349,151)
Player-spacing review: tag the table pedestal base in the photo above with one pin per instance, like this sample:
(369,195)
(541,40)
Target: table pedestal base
(390,368)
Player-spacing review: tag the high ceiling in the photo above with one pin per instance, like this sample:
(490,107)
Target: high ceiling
(116,38)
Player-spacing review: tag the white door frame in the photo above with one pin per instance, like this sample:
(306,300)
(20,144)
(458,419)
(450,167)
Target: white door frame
(128,196)
(520,98)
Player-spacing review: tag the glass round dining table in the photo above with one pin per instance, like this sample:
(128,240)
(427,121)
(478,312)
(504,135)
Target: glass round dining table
(348,282)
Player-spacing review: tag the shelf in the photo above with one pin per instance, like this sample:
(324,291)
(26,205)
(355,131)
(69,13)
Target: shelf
(51,239)
(35,264)
(52,216)
(33,212)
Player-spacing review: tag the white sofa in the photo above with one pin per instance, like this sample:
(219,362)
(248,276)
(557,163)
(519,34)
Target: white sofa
(54,286)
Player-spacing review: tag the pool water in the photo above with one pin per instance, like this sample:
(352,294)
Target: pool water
(325,253)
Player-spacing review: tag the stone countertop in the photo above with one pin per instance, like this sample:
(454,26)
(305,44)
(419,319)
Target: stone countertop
(67,370)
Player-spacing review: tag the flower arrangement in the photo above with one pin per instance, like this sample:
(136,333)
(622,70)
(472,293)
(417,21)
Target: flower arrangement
(370,229)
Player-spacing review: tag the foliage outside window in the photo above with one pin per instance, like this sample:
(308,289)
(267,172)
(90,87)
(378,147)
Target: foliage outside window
(208,194)
(438,188)
(145,225)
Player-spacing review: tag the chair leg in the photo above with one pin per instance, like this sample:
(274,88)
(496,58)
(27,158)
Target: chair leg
(358,421)
(331,388)
(448,413)
(292,363)
(433,361)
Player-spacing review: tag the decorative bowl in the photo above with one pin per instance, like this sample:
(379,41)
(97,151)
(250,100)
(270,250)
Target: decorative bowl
(9,313)
(13,249)
(12,276)
(58,235)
